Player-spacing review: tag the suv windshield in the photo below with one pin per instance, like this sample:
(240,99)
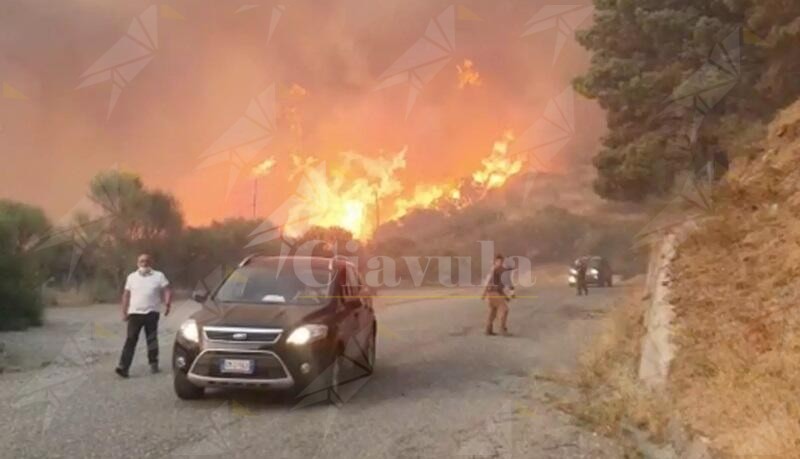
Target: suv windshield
(593,262)
(267,285)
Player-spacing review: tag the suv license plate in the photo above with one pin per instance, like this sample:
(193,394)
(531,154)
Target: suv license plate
(237,366)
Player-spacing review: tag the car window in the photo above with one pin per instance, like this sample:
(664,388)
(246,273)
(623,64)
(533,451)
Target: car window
(267,285)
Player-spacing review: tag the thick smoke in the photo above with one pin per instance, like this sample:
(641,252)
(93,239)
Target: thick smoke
(326,61)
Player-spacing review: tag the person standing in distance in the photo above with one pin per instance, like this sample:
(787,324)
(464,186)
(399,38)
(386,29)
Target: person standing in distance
(580,281)
(145,290)
(494,291)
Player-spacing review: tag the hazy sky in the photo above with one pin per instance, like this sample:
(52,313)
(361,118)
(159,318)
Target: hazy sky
(187,71)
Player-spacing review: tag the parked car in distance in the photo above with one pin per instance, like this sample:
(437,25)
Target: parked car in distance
(598,272)
(278,323)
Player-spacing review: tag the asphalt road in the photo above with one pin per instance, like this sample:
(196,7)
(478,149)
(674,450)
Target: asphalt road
(441,389)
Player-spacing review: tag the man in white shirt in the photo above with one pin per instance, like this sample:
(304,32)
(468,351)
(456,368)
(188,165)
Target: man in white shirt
(145,290)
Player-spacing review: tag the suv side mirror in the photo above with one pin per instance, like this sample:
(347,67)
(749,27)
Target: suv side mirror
(200,296)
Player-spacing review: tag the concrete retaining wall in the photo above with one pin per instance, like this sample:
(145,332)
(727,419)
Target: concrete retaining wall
(658,349)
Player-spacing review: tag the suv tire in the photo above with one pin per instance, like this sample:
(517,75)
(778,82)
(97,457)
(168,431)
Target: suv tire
(184,388)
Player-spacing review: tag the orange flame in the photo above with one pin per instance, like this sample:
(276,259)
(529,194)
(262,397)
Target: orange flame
(498,166)
(264,167)
(351,197)
(424,197)
(348,197)
(467,75)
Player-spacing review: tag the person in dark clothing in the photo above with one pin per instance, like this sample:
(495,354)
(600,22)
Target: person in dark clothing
(495,291)
(580,277)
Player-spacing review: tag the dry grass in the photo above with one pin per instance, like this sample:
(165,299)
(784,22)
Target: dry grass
(611,397)
(736,375)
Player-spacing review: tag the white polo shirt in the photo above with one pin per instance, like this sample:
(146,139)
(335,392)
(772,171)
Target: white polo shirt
(145,291)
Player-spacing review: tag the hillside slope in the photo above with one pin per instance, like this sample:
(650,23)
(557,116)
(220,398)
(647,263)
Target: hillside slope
(736,376)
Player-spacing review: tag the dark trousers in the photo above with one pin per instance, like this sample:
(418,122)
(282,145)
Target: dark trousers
(136,322)
(582,288)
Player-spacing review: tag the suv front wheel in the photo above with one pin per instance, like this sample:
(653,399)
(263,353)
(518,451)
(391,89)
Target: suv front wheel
(184,388)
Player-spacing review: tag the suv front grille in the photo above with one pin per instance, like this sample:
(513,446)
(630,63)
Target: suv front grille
(243,334)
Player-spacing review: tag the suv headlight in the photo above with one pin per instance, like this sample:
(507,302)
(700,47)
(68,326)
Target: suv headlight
(189,331)
(593,272)
(573,271)
(307,334)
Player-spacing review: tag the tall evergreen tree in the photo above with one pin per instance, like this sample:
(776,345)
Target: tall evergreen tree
(682,79)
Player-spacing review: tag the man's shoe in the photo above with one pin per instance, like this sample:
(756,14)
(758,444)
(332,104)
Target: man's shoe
(489,333)
(123,373)
(154,368)
(505,332)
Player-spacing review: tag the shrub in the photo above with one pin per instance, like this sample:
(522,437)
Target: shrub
(102,290)
(20,272)
(20,299)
